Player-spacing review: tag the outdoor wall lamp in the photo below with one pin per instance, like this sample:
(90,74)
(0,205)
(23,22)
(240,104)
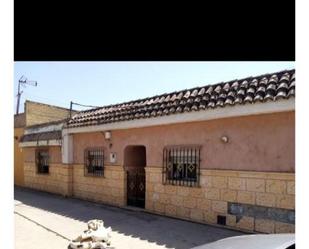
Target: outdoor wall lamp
(224,139)
(108,135)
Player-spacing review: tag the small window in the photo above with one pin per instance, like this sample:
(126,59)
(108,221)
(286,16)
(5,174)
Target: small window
(42,161)
(94,162)
(181,165)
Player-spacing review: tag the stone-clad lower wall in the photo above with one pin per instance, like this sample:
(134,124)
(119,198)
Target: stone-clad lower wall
(69,180)
(57,181)
(219,189)
(109,189)
(251,201)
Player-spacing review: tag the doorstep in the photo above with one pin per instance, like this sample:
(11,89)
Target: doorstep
(132,208)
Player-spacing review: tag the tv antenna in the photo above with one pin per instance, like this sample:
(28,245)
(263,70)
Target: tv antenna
(23,81)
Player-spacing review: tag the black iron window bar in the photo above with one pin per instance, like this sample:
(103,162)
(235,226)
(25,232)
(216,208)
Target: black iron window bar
(94,162)
(42,161)
(181,166)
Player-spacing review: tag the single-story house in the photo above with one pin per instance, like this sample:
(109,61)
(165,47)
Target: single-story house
(221,154)
(34,113)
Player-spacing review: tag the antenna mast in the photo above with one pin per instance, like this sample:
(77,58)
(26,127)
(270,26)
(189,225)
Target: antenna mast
(23,81)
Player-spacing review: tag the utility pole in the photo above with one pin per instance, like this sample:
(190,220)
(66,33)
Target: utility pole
(71,106)
(73,103)
(22,82)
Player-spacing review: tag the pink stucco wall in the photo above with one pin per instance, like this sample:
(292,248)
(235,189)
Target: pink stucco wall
(259,143)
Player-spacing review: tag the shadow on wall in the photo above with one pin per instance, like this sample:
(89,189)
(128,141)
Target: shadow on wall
(161,230)
(135,156)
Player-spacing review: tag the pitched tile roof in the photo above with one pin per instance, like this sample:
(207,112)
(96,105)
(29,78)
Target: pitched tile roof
(267,87)
(50,135)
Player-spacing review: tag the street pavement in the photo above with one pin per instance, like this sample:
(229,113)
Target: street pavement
(44,220)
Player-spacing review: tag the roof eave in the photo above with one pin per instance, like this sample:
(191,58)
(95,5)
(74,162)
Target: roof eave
(203,115)
(53,142)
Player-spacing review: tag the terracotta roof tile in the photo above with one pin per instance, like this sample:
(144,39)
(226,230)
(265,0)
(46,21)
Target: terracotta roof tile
(51,135)
(268,87)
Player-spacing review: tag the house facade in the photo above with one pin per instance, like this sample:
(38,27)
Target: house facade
(34,113)
(221,154)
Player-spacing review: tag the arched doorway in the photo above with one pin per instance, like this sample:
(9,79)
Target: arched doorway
(134,163)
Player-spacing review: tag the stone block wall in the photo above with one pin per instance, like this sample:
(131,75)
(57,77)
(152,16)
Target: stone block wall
(38,113)
(254,194)
(109,189)
(249,201)
(58,180)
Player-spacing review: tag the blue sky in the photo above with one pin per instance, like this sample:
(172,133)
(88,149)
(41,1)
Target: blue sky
(103,83)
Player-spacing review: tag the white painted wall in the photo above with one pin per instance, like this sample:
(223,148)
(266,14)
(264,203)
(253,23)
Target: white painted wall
(67,149)
(41,143)
(53,127)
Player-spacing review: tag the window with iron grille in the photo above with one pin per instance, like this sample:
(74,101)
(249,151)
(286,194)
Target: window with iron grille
(181,165)
(42,161)
(94,162)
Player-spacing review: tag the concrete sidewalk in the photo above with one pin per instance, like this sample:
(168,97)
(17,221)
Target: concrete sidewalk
(44,220)
(30,235)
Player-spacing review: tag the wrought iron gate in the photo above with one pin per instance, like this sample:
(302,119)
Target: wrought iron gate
(136,187)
